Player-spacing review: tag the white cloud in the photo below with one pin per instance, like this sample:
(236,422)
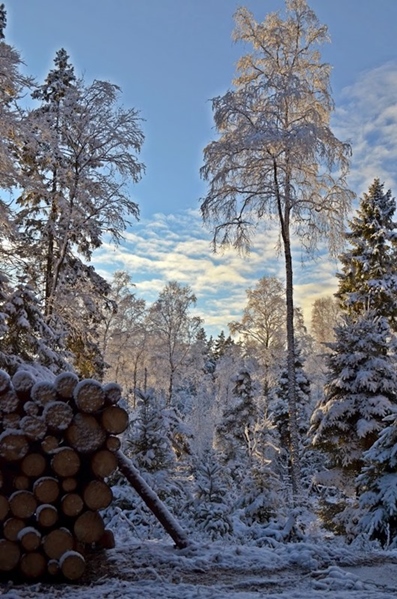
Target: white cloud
(177,247)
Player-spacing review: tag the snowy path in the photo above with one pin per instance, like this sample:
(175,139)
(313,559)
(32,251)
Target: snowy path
(158,571)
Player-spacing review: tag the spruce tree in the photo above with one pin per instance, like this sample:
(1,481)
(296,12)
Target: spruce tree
(368,280)
(361,390)
(377,486)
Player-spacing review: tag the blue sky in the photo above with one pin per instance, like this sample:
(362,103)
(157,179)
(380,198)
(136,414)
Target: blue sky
(170,57)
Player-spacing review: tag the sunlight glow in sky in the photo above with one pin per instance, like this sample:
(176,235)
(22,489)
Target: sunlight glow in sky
(170,57)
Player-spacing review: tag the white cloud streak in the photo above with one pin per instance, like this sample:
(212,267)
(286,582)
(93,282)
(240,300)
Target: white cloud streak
(176,246)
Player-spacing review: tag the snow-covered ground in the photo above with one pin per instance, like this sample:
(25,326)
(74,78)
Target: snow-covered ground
(156,570)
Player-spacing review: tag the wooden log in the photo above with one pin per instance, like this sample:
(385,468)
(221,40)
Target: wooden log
(103,463)
(113,443)
(114,420)
(9,555)
(113,393)
(47,515)
(46,489)
(72,505)
(57,542)
(97,495)
(43,392)
(11,421)
(33,427)
(29,538)
(85,433)
(21,482)
(23,381)
(33,565)
(23,504)
(65,462)
(49,444)
(69,484)
(89,396)
(58,415)
(31,408)
(53,568)
(33,464)
(152,501)
(107,540)
(9,401)
(4,507)
(1,480)
(12,527)
(65,383)
(72,565)
(89,527)
(13,445)
(5,381)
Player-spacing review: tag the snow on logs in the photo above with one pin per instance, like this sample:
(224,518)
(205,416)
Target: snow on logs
(58,445)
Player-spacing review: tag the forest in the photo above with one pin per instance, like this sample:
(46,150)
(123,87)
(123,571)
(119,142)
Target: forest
(275,428)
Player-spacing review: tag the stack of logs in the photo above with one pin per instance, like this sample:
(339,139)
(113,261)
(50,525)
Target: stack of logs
(57,447)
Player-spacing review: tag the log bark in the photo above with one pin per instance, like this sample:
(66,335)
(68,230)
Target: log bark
(9,555)
(43,392)
(47,515)
(33,464)
(46,489)
(72,505)
(89,527)
(65,383)
(114,420)
(9,401)
(5,381)
(65,462)
(113,443)
(13,445)
(153,502)
(23,504)
(85,434)
(58,415)
(57,542)
(29,538)
(72,565)
(49,444)
(103,463)
(113,393)
(107,540)
(12,527)
(33,565)
(33,427)
(89,396)
(69,484)
(97,495)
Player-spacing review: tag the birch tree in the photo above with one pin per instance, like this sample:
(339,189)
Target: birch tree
(276,159)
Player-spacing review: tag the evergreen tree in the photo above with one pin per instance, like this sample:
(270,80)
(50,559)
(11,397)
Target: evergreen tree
(377,487)
(148,438)
(369,269)
(236,432)
(278,402)
(361,390)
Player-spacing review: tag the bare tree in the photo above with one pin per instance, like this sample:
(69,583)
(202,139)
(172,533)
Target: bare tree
(173,329)
(276,158)
(325,316)
(262,326)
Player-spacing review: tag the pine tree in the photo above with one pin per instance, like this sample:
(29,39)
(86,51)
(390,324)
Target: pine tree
(236,432)
(361,390)
(369,269)
(377,487)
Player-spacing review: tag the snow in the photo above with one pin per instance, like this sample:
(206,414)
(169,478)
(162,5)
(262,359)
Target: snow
(157,570)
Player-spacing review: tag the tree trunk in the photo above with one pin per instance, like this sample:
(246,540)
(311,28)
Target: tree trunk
(162,514)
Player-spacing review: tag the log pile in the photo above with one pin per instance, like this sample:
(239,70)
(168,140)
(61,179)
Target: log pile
(58,444)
